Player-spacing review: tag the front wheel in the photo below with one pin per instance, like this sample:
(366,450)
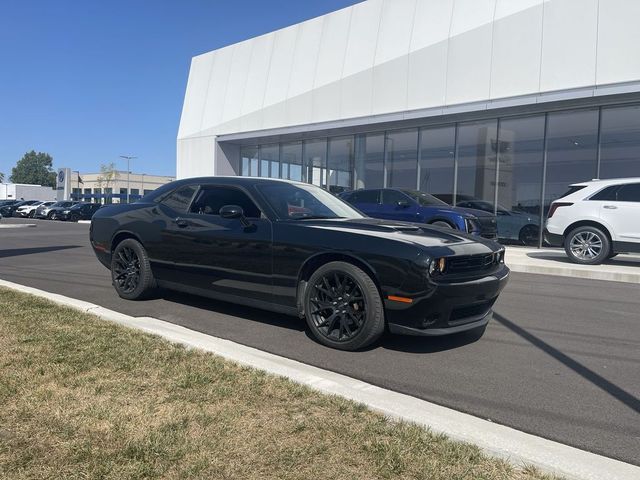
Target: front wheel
(131,271)
(52,216)
(343,307)
(587,245)
(74,217)
(32,213)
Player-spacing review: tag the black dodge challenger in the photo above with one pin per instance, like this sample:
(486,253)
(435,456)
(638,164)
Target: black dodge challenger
(297,249)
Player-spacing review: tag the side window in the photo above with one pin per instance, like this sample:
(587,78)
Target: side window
(392,197)
(364,196)
(210,200)
(629,193)
(179,199)
(608,193)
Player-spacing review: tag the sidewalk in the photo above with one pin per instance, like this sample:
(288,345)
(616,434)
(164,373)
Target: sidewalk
(548,261)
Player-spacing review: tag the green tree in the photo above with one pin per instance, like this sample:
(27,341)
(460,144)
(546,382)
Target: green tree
(34,168)
(108,175)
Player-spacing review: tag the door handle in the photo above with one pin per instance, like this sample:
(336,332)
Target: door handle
(181,222)
(610,207)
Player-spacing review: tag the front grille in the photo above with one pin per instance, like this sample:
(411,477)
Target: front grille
(470,313)
(470,263)
(488,227)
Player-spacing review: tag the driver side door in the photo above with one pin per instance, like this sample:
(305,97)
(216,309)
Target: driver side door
(220,256)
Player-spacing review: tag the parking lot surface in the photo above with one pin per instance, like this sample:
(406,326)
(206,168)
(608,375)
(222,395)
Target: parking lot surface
(561,358)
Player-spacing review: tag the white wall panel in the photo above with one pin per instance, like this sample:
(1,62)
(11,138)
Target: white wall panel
(237,80)
(255,85)
(392,56)
(569,44)
(469,56)
(427,74)
(356,88)
(217,90)
(196,94)
(277,81)
(517,37)
(333,44)
(618,32)
(303,71)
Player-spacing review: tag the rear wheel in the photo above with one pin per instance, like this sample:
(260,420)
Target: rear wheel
(343,307)
(131,271)
(529,235)
(74,217)
(32,213)
(52,216)
(587,245)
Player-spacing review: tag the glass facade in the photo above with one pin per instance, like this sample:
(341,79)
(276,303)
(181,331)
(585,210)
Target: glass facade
(513,166)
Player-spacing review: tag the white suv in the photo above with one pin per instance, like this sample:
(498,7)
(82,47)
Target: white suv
(596,220)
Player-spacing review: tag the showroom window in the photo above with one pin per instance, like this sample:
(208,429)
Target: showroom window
(291,161)
(572,139)
(402,158)
(269,161)
(340,163)
(370,161)
(476,161)
(249,161)
(620,142)
(315,162)
(437,156)
(520,159)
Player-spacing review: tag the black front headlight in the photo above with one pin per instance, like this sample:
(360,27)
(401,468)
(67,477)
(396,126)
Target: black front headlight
(498,257)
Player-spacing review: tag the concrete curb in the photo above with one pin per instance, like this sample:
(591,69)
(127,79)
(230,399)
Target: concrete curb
(84,221)
(18,225)
(497,440)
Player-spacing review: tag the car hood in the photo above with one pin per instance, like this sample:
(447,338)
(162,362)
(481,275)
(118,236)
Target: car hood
(413,233)
(472,211)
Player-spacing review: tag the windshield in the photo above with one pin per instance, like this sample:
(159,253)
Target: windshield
(424,199)
(298,201)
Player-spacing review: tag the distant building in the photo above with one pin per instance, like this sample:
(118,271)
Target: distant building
(17,191)
(92,187)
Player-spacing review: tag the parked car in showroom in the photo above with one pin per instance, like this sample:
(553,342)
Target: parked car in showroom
(596,220)
(414,206)
(296,249)
(9,209)
(51,212)
(79,211)
(30,210)
(513,225)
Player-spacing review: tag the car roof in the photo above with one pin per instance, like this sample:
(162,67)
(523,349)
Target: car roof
(605,182)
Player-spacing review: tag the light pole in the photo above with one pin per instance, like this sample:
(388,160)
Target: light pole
(128,158)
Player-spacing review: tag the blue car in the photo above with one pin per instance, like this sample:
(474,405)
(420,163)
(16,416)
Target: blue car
(420,207)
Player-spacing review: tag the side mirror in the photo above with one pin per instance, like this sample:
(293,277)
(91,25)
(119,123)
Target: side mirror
(402,204)
(234,211)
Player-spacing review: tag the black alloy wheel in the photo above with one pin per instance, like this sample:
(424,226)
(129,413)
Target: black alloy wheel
(131,271)
(529,235)
(74,217)
(343,306)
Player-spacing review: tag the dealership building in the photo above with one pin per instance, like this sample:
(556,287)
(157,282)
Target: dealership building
(502,102)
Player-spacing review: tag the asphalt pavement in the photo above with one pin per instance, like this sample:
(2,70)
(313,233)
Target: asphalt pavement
(560,360)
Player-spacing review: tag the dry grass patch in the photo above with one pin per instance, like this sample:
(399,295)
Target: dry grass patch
(83,398)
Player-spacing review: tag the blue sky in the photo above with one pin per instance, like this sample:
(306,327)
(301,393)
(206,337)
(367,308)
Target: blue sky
(87,81)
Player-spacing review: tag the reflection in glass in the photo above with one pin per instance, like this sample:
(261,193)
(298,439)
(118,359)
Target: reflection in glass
(291,161)
(572,139)
(477,159)
(249,161)
(269,161)
(620,142)
(340,163)
(315,161)
(402,158)
(437,153)
(520,158)
(370,161)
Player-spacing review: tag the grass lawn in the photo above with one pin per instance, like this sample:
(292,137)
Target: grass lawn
(84,398)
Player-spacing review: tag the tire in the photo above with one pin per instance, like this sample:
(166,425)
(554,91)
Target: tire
(587,245)
(612,255)
(332,284)
(442,223)
(51,216)
(131,274)
(529,235)
(32,214)
(74,218)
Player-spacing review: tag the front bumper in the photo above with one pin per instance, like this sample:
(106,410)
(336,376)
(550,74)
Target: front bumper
(449,307)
